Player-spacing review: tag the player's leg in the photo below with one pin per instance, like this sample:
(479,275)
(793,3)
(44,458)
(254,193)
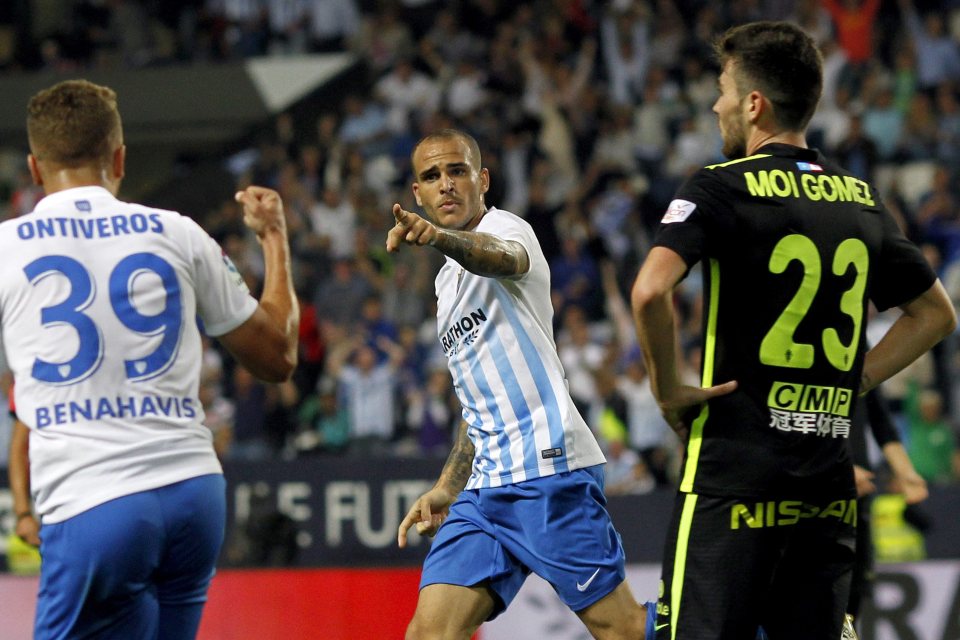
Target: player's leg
(95,577)
(558,526)
(618,616)
(467,576)
(716,569)
(194,514)
(812,581)
(450,612)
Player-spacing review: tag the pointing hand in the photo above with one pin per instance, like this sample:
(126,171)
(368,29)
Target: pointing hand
(409,229)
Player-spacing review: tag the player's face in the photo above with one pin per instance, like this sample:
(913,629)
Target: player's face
(449,183)
(730,115)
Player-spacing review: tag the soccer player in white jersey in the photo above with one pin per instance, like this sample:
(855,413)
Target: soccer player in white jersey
(522,489)
(100,301)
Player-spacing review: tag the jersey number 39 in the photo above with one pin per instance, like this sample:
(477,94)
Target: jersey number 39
(167,323)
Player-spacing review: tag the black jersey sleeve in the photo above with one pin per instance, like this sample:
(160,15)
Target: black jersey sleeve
(694,212)
(903,272)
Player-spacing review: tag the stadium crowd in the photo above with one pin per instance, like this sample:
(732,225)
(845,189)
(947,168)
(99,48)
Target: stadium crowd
(589,114)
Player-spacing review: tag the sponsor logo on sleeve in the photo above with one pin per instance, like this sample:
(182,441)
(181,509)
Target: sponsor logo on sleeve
(234,272)
(678,211)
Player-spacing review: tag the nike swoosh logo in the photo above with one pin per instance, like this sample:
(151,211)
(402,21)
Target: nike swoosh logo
(583,587)
(661,626)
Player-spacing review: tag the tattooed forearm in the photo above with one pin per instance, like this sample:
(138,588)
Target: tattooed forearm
(457,468)
(482,253)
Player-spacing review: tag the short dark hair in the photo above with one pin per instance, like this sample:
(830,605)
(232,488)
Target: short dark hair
(782,62)
(73,123)
(447,134)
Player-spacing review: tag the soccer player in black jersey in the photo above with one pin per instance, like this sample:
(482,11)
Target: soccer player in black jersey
(793,248)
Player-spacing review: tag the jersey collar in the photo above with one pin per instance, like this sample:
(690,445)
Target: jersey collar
(55,202)
(789,151)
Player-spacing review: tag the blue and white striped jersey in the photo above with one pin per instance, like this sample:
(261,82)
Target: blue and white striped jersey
(497,335)
(99,301)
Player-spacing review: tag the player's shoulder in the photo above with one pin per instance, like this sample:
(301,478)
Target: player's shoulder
(168,218)
(501,216)
(733,169)
(501,219)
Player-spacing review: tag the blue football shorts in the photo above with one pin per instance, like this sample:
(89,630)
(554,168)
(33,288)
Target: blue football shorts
(556,527)
(134,567)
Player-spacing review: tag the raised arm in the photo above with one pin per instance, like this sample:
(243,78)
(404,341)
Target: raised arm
(266,344)
(479,253)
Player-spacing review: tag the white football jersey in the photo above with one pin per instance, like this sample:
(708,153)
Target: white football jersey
(497,335)
(100,301)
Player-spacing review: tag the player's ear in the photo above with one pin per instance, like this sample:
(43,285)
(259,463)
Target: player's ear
(484,180)
(416,193)
(34,170)
(119,162)
(756,105)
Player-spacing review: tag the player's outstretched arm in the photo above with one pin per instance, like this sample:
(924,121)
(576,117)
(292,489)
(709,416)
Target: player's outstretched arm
(18,473)
(266,344)
(430,509)
(480,253)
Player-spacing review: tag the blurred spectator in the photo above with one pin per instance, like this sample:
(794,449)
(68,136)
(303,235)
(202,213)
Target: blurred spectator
(383,38)
(931,441)
(312,348)
(334,220)
(937,54)
(466,91)
(324,424)
(340,296)
(364,125)
(581,356)
(409,94)
(856,151)
(625,42)
(883,122)
(648,433)
(433,413)
(938,214)
(404,295)
(219,412)
(368,391)
(247,31)
(813,17)
(373,326)
(919,138)
(575,280)
(612,215)
(948,124)
(625,472)
(332,23)
(854,21)
(250,440)
(287,22)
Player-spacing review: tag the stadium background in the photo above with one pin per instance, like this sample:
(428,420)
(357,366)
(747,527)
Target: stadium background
(589,114)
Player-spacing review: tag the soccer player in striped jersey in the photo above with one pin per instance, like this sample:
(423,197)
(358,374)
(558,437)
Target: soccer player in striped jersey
(99,301)
(793,249)
(522,489)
